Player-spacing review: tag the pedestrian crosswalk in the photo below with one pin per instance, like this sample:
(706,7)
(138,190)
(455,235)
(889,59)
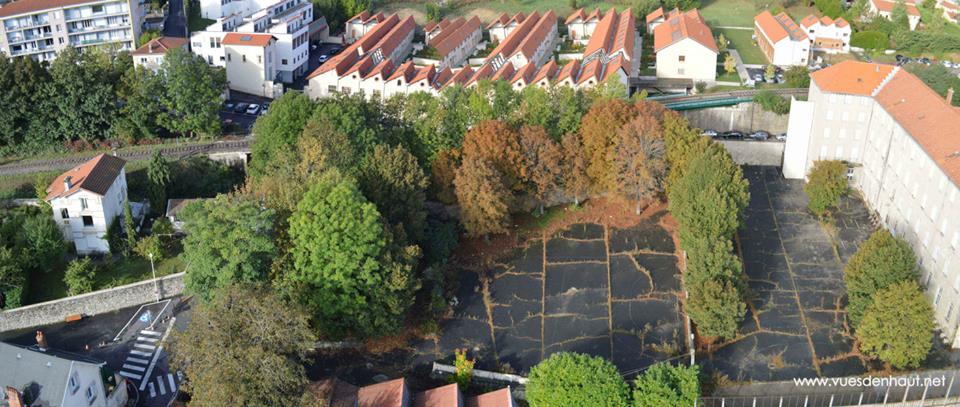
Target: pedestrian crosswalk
(140,356)
(164,384)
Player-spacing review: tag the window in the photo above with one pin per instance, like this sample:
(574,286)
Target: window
(682,58)
(87,221)
(849,173)
(331,88)
(283,61)
(949,311)
(259,59)
(83,203)
(97,9)
(680,71)
(956,283)
(74,383)
(244,56)
(91,394)
(66,215)
(936,298)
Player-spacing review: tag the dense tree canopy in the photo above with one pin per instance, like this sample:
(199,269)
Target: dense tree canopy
(666,385)
(278,131)
(881,261)
(393,180)
(826,184)
(599,129)
(192,94)
(574,379)
(708,200)
(898,326)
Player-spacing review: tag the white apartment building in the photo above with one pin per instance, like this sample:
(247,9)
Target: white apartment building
(42,28)
(288,21)
(86,199)
(503,25)
(150,55)
(826,34)
(901,140)
(251,63)
(685,48)
(884,8)
(781,40)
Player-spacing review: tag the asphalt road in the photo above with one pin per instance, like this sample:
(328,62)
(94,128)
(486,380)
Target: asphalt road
(130,341)
(176,24)
(313,63)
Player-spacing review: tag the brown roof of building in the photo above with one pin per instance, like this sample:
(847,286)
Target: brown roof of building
(484,72)
(497,398)
(569,71)
(444,396)
(442,77)
(505,73)
(345,59)
(927,117)
(658,13)
(851,77)
(613,33)
(779,27)
(160,46)
(547,71)
(406,71)
(247,39)
(504,19)
(525,74)
(387,394)
(680,25)
(392,39)
(424,73)
(95,175)
(887,6)
(384,69)
(510,43)
(592,70)
(459,31)
(537,34)
(579,13)
(461,77)
(335,392)
(444,32)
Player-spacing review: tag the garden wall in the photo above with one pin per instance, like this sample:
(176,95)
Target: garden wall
(93,303)
(768,153)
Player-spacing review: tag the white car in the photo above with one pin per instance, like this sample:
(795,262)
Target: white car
(253,110)
(710,133)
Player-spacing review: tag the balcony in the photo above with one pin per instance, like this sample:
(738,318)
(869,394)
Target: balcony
(95,28)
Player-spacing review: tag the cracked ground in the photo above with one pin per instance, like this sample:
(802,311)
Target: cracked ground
(796,319)
(589,288)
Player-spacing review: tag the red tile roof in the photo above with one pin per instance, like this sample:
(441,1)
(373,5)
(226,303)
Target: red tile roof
(679,26)
(547,71)
(536,36)
(592,70)
(569,71)
(458,33)
(392,39)
(461,77)
(384,69)
(95,175)
(658,13)
(387,394)
(247,39)
(506,72)
(927,117)
(442,77)
(342,61)
(613,33)
(497,398)
(579,13)
(445,396)
(851,77)
(160,46)
(424,73)
(525,74)
(406,71)
(887,6)
(510,43)
(779,27)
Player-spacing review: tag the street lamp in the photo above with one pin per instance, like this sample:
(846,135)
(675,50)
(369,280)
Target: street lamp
(156,287)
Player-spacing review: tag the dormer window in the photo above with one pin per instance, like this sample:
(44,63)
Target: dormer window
(74,383)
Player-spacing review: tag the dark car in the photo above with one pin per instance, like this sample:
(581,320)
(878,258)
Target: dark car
(925,61)
(264,107)
(335,50)
(759,135)
(899,57)
(733,135)
(228,107)
(241,108)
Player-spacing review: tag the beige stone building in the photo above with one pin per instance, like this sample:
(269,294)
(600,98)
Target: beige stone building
(901,140)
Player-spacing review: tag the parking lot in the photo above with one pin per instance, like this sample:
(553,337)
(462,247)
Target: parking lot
(590,288)
(323,48)
(795,324)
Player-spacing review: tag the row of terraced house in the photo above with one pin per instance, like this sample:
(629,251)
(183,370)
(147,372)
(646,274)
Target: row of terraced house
(376,62)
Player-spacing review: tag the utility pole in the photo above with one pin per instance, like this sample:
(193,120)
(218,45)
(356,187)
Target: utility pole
(156,283)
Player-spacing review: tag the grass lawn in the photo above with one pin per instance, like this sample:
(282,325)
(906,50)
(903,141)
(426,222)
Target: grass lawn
(723,76)
(488,10)
(20,186)
(742,41)
(729,13)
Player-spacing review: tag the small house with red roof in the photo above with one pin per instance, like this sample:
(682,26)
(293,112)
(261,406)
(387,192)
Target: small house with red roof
(782,41)
(86,199)
(826,34)
(150,55)
(685,47)
(884,8)
(396,393)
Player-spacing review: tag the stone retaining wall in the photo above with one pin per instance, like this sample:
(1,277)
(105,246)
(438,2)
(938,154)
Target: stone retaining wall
(745,117)
(93,303)
(769,153)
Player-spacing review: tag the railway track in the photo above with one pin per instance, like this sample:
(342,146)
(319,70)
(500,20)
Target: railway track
(728,95)
(172,152)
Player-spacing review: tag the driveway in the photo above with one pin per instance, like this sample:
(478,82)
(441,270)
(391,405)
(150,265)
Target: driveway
(241,123)
(313,63)
(176,24)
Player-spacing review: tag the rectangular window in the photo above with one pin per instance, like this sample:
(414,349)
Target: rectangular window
(91,394)
(74,383)
(64,213)
(680,71)
(936,298)
(331,88)
(283,61)
(87,221)
(83,203)
(682,58)
(244,56)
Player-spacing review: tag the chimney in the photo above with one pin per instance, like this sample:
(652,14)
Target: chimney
(950,96)
(66,183)
(14,399)
(41,341)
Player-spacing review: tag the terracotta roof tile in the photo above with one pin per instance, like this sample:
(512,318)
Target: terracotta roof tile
(505,73)
(95,175)
(160,46)
(247,39)
(779,27)
(679,26)
(392,393)
(579,13)
(406,71)
(509,44)
(484,72)
(444,396)
(592,70)
(461,76)
(547,71)
(569,71)
(342,61)
(502,19)
(851,77)
(525,74)
(384,69)
(459,32)
(537,34)
(658,13)
(392,39)
(442,78)
(424,73)
(497,398)
(887,6)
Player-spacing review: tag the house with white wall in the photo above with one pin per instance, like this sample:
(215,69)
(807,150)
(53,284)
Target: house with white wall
(87,199)
(580,25)
(503,25)
(826,34)
(252,63)
(358,26)
(654,19)
(49,377)
(782,41)
(452,41)
(900,140)
(884,8)
(150,55)
(685,48)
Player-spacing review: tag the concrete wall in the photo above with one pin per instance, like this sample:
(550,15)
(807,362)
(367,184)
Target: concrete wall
(755,152)
(93,303)
(744,117)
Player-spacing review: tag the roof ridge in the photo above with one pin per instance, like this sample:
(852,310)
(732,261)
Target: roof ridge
(885,80)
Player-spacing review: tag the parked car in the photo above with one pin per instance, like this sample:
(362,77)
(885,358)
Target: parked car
(323,58)
(758,77)
(710,133)
(782,137)
(264,107)
(241,107)
(925,61)
(228,107)
(759,135)
(253,109)
(733,135)
(335,50)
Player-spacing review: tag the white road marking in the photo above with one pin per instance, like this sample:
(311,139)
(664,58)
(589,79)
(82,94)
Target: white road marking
(130,375)
(173,386)
(148,332)
(146,339)
(132,367)
(137,360)
(144,346)
(153,392)
(163,390)
(140,353)
(156,355)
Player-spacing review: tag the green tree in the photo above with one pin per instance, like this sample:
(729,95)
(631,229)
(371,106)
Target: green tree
(666,385)
(433,12)
(770,72)
(228,241)
(392,179)
(158,173)
(129,229)
(826,184)
(464,369)
(351,274)
(708,200)
(772,102)
(716,307)
(232,340)
(42,242)
(899,15)
(797,77)
(722,43)
(573,379)
(192,94)
(831,8)
(729,64)
(150,247)
(140,108)
(80,276)
(898,326)
(13,280)
(147,36)
(881,261)
(278,130)
(82,101)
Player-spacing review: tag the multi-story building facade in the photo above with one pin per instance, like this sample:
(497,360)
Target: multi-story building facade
(781,40)
(87,199)
(685,48)
(884,9)
(288,21)
(251,63)
(40,29)
(359,25)
(826,34)
(150,55)
(900,139)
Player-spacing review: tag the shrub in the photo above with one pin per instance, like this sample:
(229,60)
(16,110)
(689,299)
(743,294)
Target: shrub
(573,379)
(826,184)
(870,40)
(898,326)
(716,307)
(150,247)
(771,102)
(797,77)
(464,369)
(881,261)
(666,385)
(80,276)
